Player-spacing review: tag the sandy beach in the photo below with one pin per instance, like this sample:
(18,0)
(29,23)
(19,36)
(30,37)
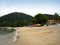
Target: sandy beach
(47,35)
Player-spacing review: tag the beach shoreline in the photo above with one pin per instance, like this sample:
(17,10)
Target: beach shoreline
(46,35)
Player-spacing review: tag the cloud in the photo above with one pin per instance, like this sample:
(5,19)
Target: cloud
(31,7)
(32,10)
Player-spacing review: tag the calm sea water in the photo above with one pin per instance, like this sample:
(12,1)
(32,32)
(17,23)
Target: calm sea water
(6,39)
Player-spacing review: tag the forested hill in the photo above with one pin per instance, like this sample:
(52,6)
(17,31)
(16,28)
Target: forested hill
(50,16)
(15,19)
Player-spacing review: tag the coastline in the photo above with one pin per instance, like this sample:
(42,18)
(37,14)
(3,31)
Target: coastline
(46,35)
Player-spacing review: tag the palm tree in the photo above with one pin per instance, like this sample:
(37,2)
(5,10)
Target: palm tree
(56,17)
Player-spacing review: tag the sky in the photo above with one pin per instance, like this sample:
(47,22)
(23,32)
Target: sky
(31,7)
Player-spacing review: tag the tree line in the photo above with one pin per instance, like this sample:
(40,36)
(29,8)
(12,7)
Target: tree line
(43,18)
(20,19)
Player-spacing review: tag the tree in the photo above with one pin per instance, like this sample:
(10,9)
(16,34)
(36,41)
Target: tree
(59,18)
(56,17)
(41,18)
(34,21)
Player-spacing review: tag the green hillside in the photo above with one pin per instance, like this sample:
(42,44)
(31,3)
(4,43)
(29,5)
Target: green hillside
(15,19)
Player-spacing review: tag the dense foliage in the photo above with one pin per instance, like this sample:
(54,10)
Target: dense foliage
(15,19)
(40,18)
(56,17)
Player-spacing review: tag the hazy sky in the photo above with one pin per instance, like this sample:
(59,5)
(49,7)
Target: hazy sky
(31,7)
